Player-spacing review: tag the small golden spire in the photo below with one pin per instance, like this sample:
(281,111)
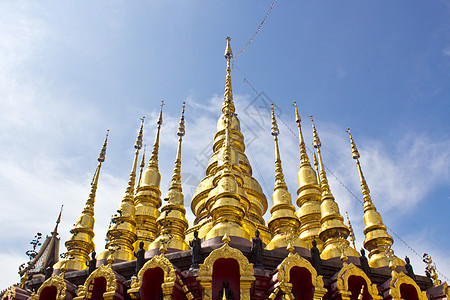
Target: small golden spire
(290,248)
(55,231)
(224,294)
(81,243)
(333,230)
(228,105)
(361,293)
(163,249)
(141,167)
(303,155)
(352,233)
(154,158)
(122,232)
(431,268)
(226,239)
(377,240)
(283,223)
(63,270)
(308,193)
(173,214)
(316,167)
(148,196)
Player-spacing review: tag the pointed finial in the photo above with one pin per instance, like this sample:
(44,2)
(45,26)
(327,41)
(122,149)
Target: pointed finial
(297,116)
(63,270)
(154,158)
(290,248)
(316,167)
(316,142)
(181,129)
(355,153)
(101,156)
(228,52)
(138,144)
(343,257)
(274,130)
(176,177)
(226,239)
(160,119)
(304,160)
(279,176)
(55,231)
(361,293)
(228,105)
(142,165)
(352,233)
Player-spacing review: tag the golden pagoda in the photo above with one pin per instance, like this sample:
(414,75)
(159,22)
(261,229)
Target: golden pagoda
(148,196)
(377,240)
(229,122)
(81,244)
(228,252)
(333,231)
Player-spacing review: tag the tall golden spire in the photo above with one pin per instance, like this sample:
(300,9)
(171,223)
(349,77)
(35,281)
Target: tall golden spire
(333,231)
(121,234)
(377,240)
(148,196)
(228,105)
(308,194)
(81,243)
(258,203)
(227,201)
(172,222)
(283,223)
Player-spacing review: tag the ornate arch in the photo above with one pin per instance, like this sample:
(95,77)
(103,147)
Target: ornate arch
(246,272)
(158,261)
(9,294)
(104,271)
(295,260)
(352,270)
(170,276)
(402,278)
(56,281)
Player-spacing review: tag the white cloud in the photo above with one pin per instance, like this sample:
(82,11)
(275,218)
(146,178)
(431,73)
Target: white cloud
(446,51)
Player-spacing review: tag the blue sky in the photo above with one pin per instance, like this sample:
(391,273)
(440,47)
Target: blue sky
(69,71)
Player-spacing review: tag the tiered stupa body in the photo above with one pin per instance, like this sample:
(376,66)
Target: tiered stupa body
(148,196)
(172,223)
(252,218)
(308,194)
(377,240)
(121,234)
(283,222)
(81,242)
(333,231)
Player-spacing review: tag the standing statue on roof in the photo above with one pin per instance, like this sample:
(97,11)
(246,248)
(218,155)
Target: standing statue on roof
(409,268)
(364,263)
(140,257)
(257,250)
(92,264)
(196,245)
(315,257)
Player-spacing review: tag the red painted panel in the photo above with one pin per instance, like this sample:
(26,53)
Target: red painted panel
(226,269)
(408,292)
(355,284)
(301,283)
(48,293)
(98,288)
(151,284)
